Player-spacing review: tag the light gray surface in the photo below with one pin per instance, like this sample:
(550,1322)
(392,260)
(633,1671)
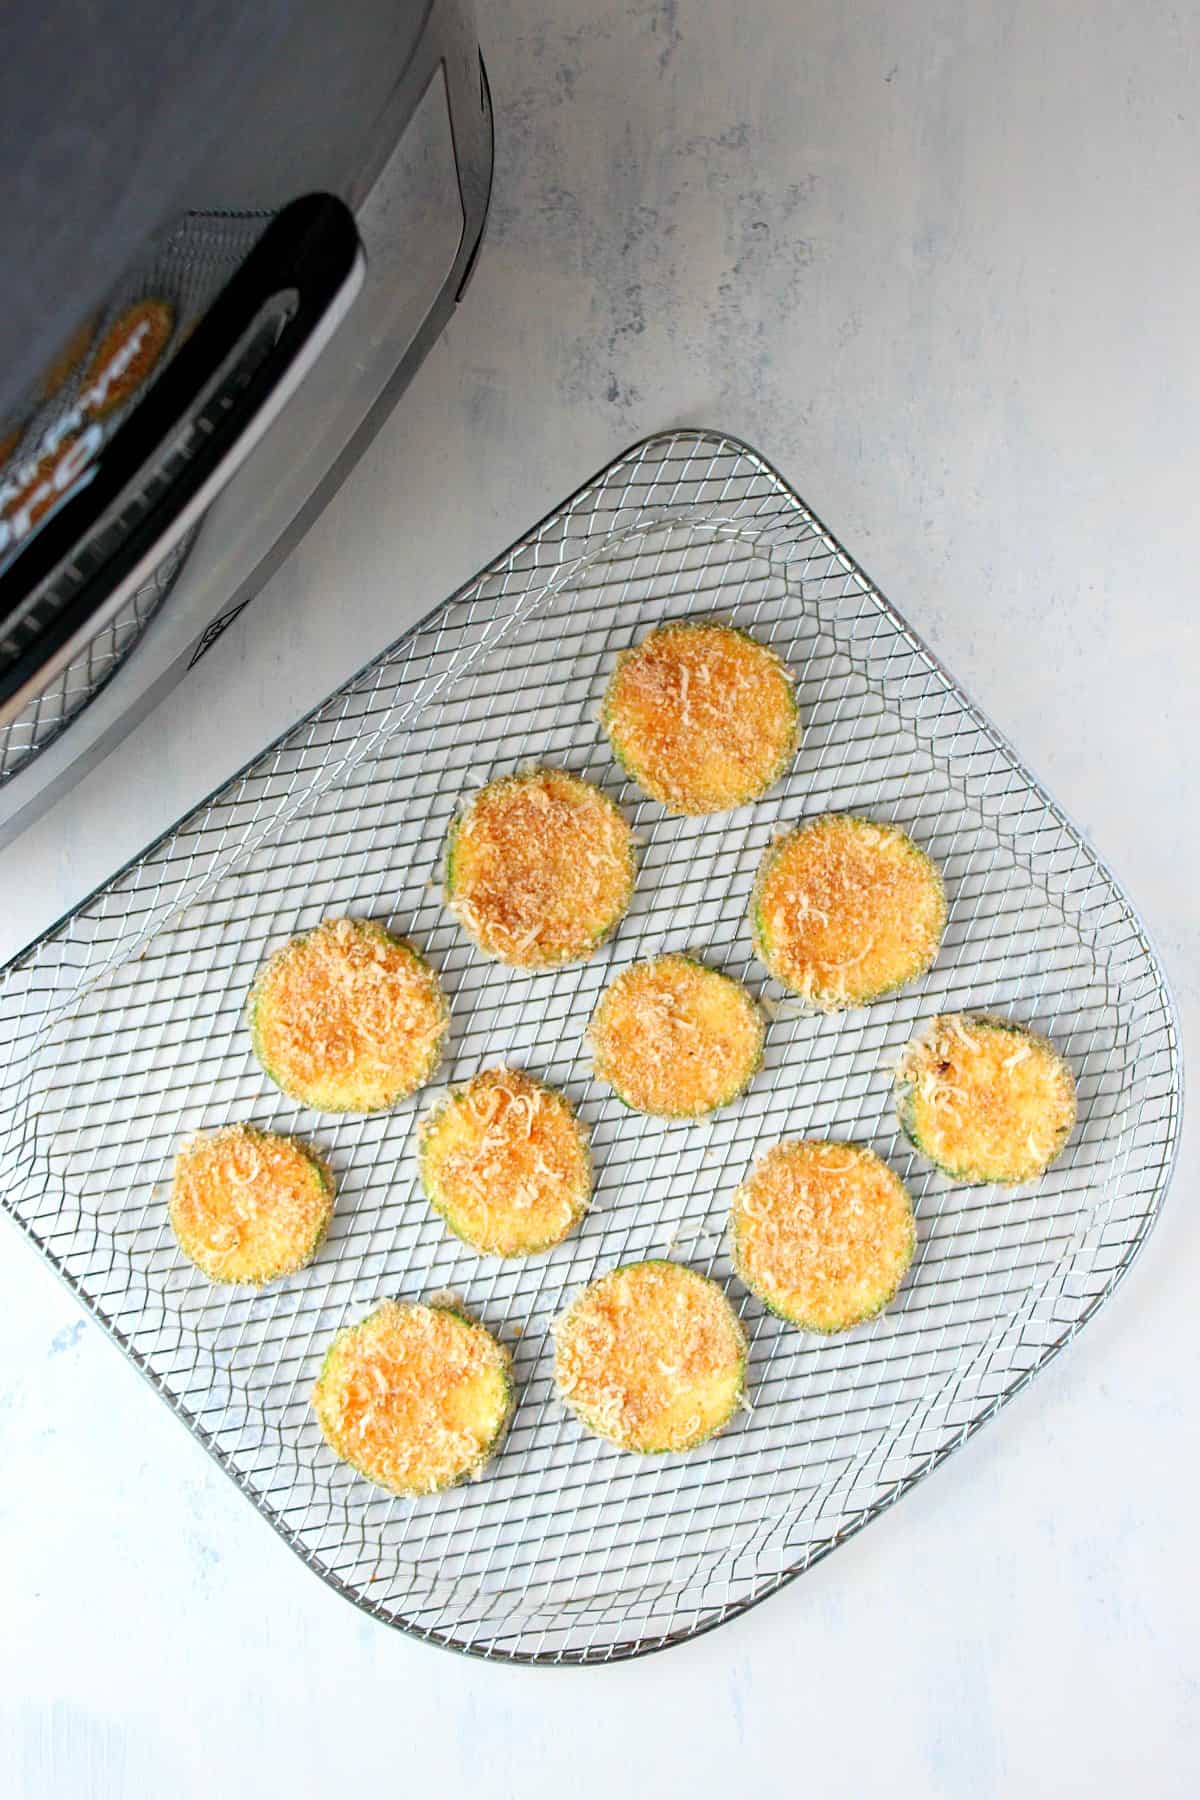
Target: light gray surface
(941,269)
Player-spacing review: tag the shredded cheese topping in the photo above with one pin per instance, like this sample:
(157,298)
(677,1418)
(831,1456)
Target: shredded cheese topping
(985,1099)
(247,1206)
(347,1018)
(415,1397)
(845,909)
(505,1161)
(676,1039)
(823,1232)
(540,868)
(651,1357)
(702,716)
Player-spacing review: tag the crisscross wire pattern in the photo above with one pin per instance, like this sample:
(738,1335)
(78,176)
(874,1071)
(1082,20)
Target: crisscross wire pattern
(123,1030)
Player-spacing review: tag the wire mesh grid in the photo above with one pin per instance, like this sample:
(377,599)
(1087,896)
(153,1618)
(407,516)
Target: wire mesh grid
(123,1030)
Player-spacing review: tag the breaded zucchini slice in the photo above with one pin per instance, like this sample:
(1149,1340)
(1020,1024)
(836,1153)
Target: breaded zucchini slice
(845,910)
(985,1098)
(505,1162)
(702,716)
(348,1018)
(539,868)
(415,1397)
(823,1233)
(676,1039)
(651,1356)
(247,1206)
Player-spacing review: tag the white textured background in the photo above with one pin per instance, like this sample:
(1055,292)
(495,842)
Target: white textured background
(940,264)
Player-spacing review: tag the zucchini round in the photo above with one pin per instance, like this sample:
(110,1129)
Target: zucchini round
(247,1206)
(651,1357)
(539,868)
(676,1039)
(701,716)
(823,1233)
(846,910)
(415,1397)
(505,1162)
(985,1099)
(348,1018)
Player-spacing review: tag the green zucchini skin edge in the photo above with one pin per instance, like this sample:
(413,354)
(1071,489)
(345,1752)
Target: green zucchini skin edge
(758,931)
(635,774)
(664,1262)
(252,1004)
(906,1111)
(488,1452)
(429,1186)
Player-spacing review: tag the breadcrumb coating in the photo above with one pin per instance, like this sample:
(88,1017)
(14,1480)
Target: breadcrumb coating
(652,1357)
(248,1206)
(823,1233)
(702,716)
(676,1039)
(985,1099)
(414,1397)
(347,1018)
(540,868)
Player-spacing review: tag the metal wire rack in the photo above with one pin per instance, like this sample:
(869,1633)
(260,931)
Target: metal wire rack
(122,1030)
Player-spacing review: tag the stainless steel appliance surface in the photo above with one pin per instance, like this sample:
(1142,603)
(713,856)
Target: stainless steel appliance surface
(231,236)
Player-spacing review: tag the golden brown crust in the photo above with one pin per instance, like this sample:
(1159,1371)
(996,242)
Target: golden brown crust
(985,1099)
(347,1018)
(414,1397)
(651,1356)
(702,716)
(676,1039)
(540,868)
(823,1232)
(846,910)
(249,1206)
(505,1162)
